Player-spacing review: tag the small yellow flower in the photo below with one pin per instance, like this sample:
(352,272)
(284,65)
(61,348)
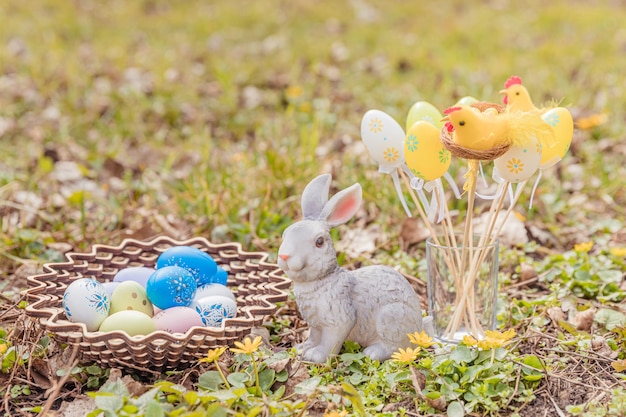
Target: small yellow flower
(405,356)
(336,413)
(495,339)
(248,346)
(619,366)
(3,348)
(587,123)
(293,91)
(619,252)
(213,354)
(421,339)
(469,340)
(583,247)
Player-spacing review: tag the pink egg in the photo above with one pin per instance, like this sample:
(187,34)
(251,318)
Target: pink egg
(177,319)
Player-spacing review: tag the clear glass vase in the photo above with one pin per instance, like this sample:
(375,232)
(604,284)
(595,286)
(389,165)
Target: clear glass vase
(462,287)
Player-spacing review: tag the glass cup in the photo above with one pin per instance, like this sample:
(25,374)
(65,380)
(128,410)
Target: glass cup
(462,287)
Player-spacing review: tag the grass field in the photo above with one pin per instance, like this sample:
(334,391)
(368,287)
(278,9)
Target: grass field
(207,118)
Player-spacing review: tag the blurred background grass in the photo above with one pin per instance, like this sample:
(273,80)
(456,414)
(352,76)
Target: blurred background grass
(134,119)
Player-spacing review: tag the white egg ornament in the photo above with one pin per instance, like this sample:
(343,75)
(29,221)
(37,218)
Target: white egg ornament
(384,139)
(213,289)
(214,309)
(520,162)
(177,319)
(199,263)
(86,301)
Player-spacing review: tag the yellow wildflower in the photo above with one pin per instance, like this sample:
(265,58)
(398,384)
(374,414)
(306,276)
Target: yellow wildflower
(619,366)
(336,413)
(619,252)
(248,346)
(421,339)
(293,91)
(583,247)
(213,354)
(405,356)
(495,339)
(587,123)
(469,340)
(3,348)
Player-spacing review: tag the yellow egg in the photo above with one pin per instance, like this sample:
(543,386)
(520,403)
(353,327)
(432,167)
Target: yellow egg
(554,149)
(424,153)
(130,295)
(130,321)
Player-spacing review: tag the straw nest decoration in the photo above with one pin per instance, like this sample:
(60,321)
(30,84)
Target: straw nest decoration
(256,284)
(467,153)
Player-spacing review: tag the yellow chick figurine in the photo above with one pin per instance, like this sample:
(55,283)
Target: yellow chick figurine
(478,131)
(517,97)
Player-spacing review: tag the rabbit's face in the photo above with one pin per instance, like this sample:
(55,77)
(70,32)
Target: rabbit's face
(307,252)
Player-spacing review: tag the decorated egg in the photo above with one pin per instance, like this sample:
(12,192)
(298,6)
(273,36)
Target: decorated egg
(383,137)
(199,263)
(130,295)
(554,149)
(466,101)
(177,319)
(214,309)
(132,322)
(425,155)
(220,277)
(213,289)
(138,274)
(171,286)
(520,162)
(86,301)
(424,111)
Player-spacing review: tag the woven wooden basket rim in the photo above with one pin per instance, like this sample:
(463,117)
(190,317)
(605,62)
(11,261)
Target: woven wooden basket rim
(257,284)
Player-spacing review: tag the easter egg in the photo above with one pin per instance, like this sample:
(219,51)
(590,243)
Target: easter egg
(520,162)
(171,286)
(425,155)
(466,101)
(86,301)
(214,309)
(220,277)
(138,274)
(424,111)
(132,322)
(199,263)
(383,137)
(130,295)
(554,149)
(110,287)
(177,319)
(213,289)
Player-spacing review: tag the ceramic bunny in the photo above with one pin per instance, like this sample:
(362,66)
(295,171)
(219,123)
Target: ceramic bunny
(374,306)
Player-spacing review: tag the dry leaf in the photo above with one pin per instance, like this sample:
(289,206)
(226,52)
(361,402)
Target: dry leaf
(583,320)
(527,272)
(413,231)
(555,314)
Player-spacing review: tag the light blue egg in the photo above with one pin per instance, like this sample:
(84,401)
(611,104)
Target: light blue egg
(199,263)
(220,277)
(171,286)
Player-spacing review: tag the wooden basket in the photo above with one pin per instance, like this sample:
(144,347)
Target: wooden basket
(256,284)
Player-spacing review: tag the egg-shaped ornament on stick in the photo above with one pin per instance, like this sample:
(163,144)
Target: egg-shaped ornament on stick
(384,139)
(426,112)
(428,160)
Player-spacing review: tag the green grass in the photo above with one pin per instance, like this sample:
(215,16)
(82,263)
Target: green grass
(209,118)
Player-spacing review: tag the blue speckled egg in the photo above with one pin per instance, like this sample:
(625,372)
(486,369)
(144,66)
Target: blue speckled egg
(220,277)
(199,263)
(171,286)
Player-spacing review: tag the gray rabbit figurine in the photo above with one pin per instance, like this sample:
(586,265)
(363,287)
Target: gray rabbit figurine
(374,306)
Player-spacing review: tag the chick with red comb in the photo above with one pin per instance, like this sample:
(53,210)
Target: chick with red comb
(513,80)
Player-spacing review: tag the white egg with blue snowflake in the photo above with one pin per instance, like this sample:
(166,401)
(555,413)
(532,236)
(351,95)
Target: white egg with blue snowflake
(199,263)
(86,301)
(214,309)
(171,286)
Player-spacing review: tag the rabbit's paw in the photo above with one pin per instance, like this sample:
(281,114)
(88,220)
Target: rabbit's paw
(379,351)
(317,354)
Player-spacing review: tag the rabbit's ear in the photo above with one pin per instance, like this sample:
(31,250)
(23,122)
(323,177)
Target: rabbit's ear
(315,196)
(342,206)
